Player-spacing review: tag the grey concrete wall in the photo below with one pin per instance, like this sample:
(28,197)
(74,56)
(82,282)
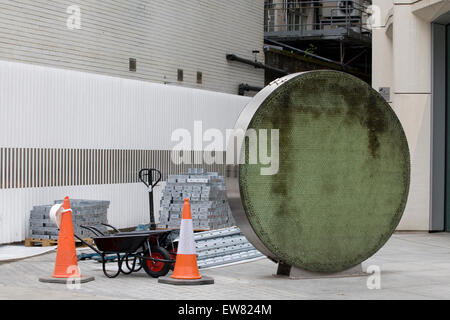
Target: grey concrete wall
(162,35)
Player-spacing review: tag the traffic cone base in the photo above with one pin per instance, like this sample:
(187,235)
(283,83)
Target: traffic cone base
(82,279)
(186,282)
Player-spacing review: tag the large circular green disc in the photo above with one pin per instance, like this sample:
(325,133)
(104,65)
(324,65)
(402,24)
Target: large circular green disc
(343,178)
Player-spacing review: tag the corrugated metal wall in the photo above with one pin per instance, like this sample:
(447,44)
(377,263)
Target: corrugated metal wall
(44,167)
(162,35)
(70,133)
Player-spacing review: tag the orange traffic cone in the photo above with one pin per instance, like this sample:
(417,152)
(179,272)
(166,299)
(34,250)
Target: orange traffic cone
(186,269)
(186,264)
(66,265)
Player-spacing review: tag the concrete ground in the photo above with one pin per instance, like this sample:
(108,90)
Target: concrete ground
(413,266)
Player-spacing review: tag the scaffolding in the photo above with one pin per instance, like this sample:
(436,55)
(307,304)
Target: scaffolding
(317,19)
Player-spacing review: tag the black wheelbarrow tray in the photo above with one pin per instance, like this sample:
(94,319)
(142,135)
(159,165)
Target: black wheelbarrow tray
(134,250)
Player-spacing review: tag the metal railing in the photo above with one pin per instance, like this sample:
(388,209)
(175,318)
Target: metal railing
(317,17)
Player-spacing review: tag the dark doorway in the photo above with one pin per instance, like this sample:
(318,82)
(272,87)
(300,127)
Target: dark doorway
(440,120)
(447,129)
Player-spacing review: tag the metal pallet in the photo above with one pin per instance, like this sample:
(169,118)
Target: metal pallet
(222,247)
(217,248)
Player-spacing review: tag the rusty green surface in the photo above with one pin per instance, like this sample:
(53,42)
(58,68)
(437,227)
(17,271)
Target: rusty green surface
(344,173)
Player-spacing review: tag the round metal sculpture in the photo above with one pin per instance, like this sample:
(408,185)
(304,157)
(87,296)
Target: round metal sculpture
(343,178)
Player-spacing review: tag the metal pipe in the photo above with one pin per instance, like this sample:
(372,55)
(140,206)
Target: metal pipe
(243,87)
(306,53)
(256,64)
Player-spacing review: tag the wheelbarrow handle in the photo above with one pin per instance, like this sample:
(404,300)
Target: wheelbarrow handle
(110,226)
(89,245)
(93,230)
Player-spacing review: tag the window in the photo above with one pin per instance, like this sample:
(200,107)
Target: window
(199,77)
(132,65)
(180,75)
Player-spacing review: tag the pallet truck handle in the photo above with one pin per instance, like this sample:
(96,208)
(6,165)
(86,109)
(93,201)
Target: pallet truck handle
(150,174)
(153,178)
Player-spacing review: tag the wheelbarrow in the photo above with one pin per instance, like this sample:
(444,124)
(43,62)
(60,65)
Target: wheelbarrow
(146,250)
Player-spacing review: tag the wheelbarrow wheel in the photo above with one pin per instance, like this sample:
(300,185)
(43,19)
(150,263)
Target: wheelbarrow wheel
(156,269)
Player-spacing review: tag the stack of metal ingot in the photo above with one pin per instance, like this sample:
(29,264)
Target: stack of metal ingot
(84,212)
(207,195)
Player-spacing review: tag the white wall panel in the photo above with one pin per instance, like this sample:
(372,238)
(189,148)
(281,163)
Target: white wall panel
(48,113)
(53,108)
(128,205)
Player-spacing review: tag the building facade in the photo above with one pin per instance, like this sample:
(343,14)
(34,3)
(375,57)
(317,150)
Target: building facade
(163,41)
(410,66)
(91,92)
(321,34)
(87,136)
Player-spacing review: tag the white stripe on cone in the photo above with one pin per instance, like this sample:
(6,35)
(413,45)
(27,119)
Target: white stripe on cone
(186,244)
